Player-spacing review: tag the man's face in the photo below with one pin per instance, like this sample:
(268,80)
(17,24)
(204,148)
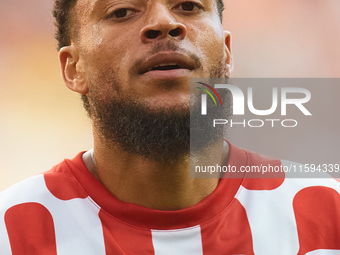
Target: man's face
(149,49)
(137,58)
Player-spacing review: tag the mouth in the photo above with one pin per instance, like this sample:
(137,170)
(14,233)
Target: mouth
(167,61)
(166,67)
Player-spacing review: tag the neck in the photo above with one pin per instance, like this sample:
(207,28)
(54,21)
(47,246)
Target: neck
(156,185)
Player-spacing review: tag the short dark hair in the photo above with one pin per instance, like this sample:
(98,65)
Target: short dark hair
(62,12)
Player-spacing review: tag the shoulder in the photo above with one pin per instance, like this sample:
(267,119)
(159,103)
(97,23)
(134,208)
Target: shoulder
(272,186)
(57,183)
(36,211)
(286,212)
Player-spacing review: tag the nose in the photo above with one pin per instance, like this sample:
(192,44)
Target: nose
(161,24)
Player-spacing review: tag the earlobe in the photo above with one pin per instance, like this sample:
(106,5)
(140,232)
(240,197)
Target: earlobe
(71,70)
(229,57)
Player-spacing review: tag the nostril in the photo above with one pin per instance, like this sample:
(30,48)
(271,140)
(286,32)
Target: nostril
(175,32)
(152,34)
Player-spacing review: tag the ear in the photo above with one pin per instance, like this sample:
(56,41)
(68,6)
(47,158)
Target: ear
(71,69)
(229,57)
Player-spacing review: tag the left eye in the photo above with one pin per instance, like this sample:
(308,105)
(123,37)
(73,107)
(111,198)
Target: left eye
(190,6)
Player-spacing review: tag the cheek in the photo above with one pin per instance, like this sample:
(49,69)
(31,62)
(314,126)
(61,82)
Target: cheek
(97,35)
(210,42)
(105,45)
(115,52)
(213,39)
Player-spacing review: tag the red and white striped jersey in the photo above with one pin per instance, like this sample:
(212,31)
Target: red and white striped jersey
(66,211)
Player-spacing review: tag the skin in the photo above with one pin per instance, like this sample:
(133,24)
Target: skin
(107,42)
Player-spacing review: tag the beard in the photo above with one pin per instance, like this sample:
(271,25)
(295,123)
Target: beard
(161,135)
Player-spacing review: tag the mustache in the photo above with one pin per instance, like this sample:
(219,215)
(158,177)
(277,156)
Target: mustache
(165,46)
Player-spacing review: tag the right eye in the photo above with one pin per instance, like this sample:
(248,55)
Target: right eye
(120,13)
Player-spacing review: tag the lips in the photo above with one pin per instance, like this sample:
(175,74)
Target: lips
(167,61)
